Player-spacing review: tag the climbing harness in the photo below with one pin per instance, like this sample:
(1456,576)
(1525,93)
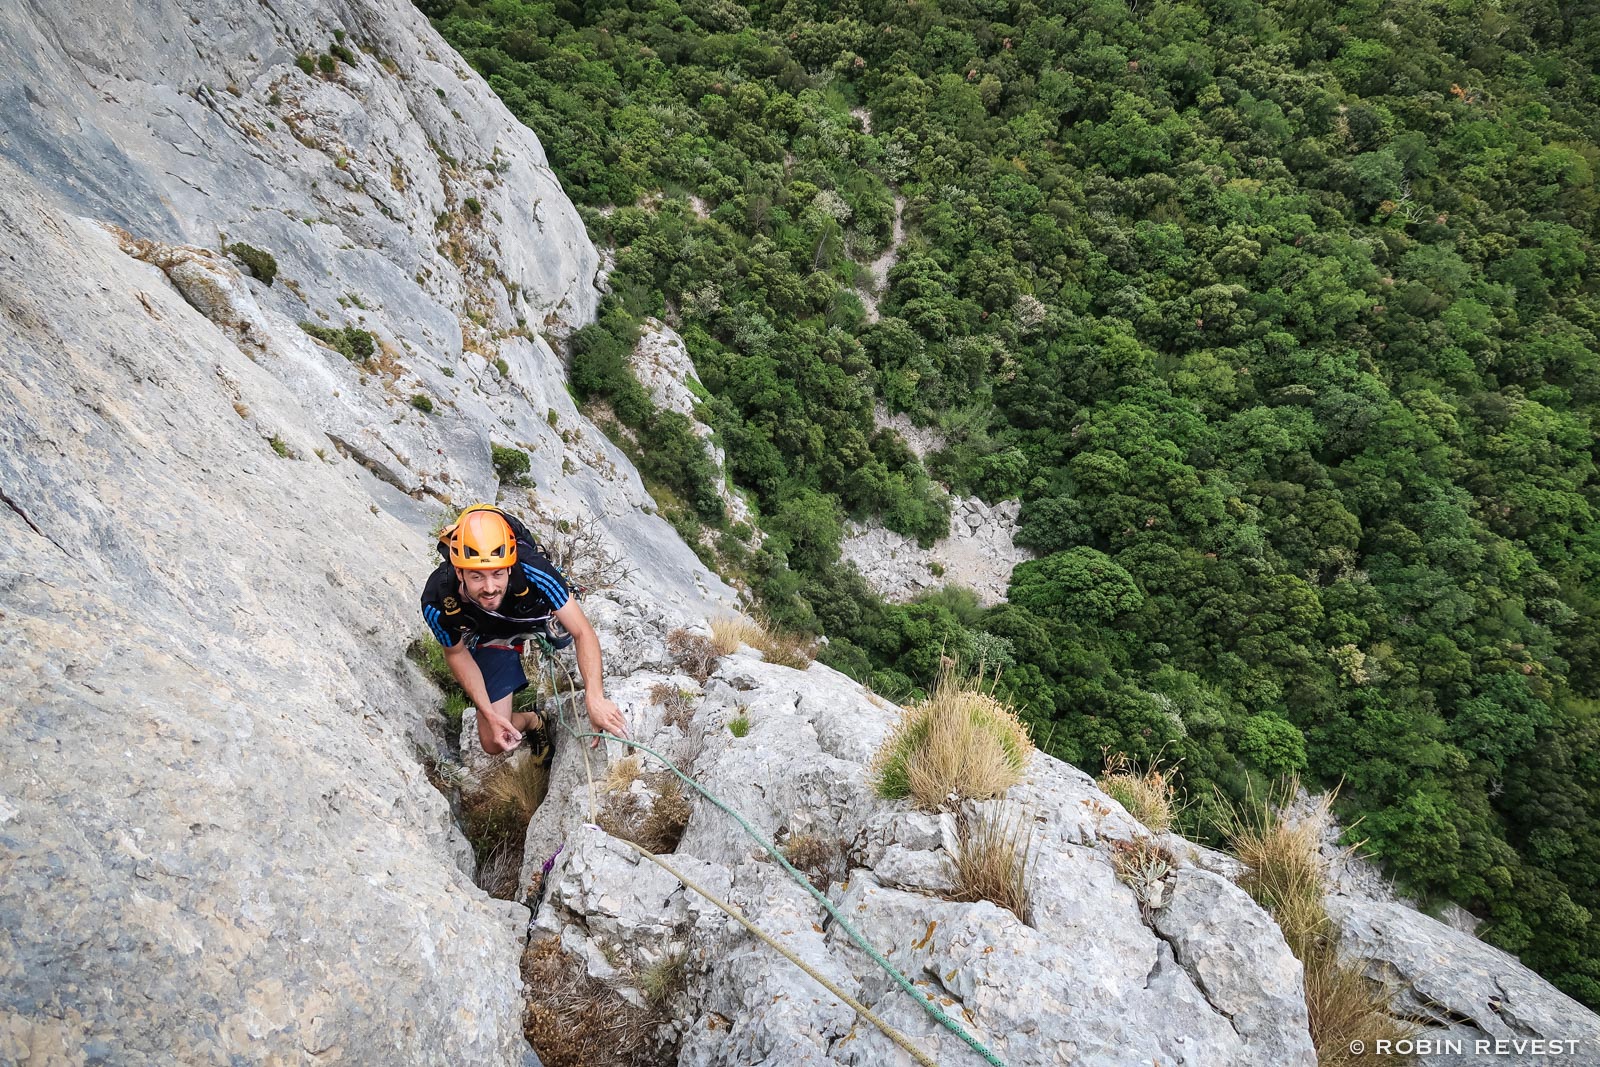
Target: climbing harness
(917,995)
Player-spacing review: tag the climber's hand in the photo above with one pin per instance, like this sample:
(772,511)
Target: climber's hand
(508,736)
(605,717)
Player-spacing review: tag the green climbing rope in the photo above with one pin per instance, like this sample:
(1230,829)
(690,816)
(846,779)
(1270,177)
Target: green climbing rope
(905,983)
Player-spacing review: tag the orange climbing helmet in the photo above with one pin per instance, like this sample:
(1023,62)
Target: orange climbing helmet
(481,540)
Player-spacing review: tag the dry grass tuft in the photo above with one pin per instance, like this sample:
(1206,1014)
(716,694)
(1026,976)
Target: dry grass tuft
(693,652)
(519,782)
(788,650)
(1149,795)
(1144,866)
(501,871)
(1286,876)
(816,857)
(663,979)
(656,823)
(496,822)
(677,704)
(993,850)
(728,632)
(960,743)
(572,1020)
(622,774)
(775,646)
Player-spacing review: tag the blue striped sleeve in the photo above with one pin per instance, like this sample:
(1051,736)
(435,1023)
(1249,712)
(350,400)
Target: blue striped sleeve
(431,613)
(548,583)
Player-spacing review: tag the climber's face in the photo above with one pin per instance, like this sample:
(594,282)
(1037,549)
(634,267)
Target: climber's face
(484,588)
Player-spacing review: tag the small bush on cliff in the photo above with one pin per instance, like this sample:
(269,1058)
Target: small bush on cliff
(654,819)
(585,553)
(820,859)
(351,342)
(961,742)
(696,655)
(262,265)
(511,464)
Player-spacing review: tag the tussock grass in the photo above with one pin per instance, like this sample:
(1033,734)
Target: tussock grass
(992,859)
(572,1020)
(663,979)
(728,632)
(520,783)
(622,774)
(495,821)
(960,743)
(499,873)
(695,654)
(1287,877)
(818,858)
(654,820)
(1148,794)
(787,650)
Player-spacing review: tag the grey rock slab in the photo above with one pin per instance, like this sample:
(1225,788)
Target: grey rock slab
(1474,990)
(1028,999)
(1237,956)
(213,734)
(980,553)
(775,1013)
(198,130)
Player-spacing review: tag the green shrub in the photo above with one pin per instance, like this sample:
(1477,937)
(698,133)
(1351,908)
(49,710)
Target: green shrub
(422,402)
(511,464)
(740,726)
(351,342)
(474,205)
(326,64)
(305,63)
(281,447)
(261,264)
(343,54)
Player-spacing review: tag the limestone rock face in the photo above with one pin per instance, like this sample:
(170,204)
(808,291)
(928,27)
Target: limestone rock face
(217,843)
(661,362)
(216,839)
(397,196)
(1093,979)
(1470,990)
(980,553)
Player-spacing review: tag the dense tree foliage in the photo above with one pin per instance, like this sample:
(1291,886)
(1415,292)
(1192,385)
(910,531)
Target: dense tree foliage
(1280,320)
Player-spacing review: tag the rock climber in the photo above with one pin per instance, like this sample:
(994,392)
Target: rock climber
(493,590)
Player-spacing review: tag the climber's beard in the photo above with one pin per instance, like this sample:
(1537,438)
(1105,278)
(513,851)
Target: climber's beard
(484,588)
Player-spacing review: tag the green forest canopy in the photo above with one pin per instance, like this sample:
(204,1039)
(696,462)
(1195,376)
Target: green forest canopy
(1279,319)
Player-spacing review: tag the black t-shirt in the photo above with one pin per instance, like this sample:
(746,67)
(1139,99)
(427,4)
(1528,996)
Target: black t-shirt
(534,589)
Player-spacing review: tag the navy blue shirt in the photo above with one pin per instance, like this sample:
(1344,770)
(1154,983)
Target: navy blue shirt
(534,590)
